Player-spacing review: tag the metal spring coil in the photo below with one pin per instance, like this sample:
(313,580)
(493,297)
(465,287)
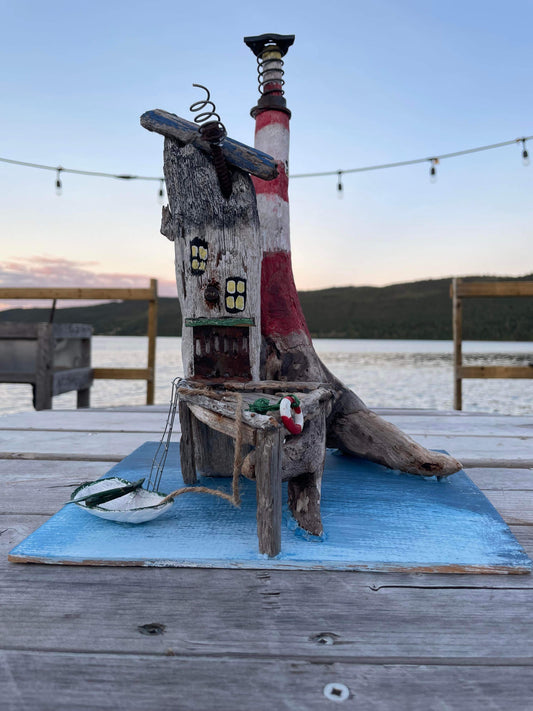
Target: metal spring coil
(210,116)
(213,132)
(264,67)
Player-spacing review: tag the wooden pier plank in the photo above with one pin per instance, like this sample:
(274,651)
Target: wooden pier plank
(138,419)
(484,426)
(473,451)
(92,421)
(398,640)
(108,445)
(480,443)
(299,684)
(252,613)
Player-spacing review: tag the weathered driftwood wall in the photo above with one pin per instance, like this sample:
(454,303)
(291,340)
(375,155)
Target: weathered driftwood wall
(217,251)
(225,235)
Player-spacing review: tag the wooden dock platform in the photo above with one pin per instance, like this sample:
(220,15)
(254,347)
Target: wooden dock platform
(181,638)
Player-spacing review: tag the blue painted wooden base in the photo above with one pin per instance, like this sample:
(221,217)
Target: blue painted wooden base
(374,519)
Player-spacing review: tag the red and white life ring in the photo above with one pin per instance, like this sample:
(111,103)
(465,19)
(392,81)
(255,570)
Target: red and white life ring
(288,408)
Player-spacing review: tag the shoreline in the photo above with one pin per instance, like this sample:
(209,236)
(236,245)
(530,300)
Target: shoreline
(406,373)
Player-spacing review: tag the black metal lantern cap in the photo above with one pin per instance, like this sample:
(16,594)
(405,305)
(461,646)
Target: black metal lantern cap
(258,43)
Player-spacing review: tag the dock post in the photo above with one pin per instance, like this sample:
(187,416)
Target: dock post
(457,310)
(43,386)
(152,335)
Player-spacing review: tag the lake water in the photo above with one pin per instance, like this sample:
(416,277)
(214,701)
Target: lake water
(384,373)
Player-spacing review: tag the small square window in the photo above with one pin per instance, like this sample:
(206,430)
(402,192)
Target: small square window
(235,297)
(198,256)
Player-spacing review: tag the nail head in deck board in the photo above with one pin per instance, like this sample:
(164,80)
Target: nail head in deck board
(374,519)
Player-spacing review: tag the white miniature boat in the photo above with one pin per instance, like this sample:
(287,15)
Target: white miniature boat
(134,507)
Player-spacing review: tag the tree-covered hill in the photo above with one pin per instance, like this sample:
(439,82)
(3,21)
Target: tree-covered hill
(421,310)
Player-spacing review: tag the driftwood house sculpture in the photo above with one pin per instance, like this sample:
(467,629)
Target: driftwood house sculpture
(243,327)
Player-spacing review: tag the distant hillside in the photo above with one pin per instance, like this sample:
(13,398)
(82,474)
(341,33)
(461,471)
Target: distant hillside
(420,310)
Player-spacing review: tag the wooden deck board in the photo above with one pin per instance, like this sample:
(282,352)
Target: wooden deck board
(109,445)
(493,426)
(252,614)
(86,420)
(298,686)
(255,639)
(474,450)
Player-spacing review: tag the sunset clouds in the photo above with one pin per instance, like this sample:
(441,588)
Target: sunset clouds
(49,271)
(392,81)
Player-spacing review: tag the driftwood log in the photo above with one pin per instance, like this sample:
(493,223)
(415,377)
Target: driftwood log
(216,241)
(242,320)
(228,229)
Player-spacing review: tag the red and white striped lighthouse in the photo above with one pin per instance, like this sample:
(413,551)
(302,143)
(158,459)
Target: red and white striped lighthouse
(288,352)
(282,321)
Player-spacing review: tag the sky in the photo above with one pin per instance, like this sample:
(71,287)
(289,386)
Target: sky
(367,83)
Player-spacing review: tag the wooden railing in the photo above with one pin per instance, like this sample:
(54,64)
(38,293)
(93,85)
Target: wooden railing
(468,289)
(96,294)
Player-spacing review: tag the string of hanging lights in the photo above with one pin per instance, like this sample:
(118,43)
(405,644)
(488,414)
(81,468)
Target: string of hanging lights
(433,161)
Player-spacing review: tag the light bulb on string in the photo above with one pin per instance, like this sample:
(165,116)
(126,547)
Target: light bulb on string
(59,184)
(161,194)
(340,186)
(525,154)
(433,170)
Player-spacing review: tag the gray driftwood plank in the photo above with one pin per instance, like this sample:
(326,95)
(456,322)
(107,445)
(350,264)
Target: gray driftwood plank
(268,491)
(56,682)
(244,157)
(188,466)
